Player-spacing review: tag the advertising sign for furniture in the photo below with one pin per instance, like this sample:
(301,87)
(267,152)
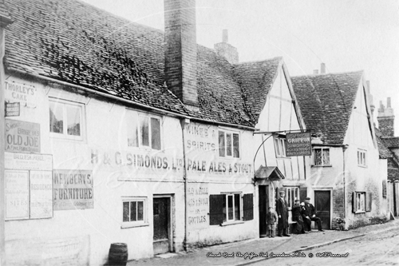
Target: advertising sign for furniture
(298,144)
(72,189)
(22,136)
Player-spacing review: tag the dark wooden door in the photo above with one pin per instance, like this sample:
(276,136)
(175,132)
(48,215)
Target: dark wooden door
(263,208)
(161,212)
(323,207)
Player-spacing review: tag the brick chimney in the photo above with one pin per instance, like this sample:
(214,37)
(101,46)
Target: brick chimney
(386,119)
(226,50)
(181,51)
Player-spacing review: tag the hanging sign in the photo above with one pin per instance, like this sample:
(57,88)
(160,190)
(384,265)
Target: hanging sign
(298,144)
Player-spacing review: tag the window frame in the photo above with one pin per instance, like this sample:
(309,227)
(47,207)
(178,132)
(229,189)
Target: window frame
(279,147)
(232,146)
(291,193)
(360,207)
(137,115)
(64,134)
(129,224)
(322,149)
(362,158)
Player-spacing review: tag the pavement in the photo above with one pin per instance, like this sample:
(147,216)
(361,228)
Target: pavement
(255,250)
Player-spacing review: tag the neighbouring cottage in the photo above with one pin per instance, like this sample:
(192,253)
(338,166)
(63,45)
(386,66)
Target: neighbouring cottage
(116,132)
(347,171)
(390,144)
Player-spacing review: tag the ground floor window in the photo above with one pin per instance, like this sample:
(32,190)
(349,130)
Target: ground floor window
(134,211)
(362,201)
(230,207)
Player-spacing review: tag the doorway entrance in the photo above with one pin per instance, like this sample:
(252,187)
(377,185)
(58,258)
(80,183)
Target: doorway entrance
(263,209)
(162,225)
(323,207)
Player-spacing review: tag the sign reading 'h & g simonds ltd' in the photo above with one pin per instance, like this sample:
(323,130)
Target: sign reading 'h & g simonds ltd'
(298,144)
(22,136)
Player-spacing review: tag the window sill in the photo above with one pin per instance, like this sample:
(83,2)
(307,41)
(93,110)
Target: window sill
(360,212)
(317,166)
(362,166)
(231,223)
(127,226)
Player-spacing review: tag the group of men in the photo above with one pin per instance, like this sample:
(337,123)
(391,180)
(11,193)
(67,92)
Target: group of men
(302,213)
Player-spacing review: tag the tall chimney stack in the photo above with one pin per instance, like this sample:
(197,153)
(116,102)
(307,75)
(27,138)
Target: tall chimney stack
(323,68)
(181,51)
(386,119)
(226,50)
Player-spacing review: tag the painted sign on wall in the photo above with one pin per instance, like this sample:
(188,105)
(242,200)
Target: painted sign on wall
(22,136)
(24,161)
(41,194)
(298,144)
(17,92)
(198,205)
(16,194)
(72,189)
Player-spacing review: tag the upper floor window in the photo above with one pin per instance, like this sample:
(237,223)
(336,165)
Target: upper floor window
(361,158)
(279,147)
(229,144)
(321,156)
(66,119)
(144,130)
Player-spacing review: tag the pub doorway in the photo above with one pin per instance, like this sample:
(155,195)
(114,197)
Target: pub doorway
(322,200)
(162,240)
(263,209)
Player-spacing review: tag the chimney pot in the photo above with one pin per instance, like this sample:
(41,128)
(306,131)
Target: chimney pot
(322,68)
(225,37)
(389,102)
(316,71)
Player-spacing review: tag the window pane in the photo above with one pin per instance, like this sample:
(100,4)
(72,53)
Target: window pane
(317,157)
(237,206)
(126,211)
(224,208)
(283,147)
(133,211)
(276,147)
(140,211)
(56,118)
(73,119)
(326,157)
(221,144)
(228,145)
(236,146)
(230,207)
(155,133)
(132,130)
(144,130)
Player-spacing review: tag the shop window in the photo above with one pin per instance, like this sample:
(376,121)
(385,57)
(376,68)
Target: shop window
(321,156)
(361,202)
(66,119)
(143,130)
(229,144)
(134,211)
(361,158)
(279,147)
(225,208)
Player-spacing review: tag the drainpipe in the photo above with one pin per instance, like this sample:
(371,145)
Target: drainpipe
(183,123)
(344,181)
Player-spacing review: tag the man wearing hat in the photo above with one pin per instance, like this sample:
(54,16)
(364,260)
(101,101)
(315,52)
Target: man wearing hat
(282,212)
(310,215)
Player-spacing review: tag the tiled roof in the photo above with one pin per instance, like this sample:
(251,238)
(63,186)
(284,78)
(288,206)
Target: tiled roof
(75,42)
(382,148)
(391,142)
(326,102)
(256,80)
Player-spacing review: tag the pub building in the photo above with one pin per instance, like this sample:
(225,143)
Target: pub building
(117,132)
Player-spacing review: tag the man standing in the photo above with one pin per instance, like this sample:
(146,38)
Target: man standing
(310,215)
(282,212)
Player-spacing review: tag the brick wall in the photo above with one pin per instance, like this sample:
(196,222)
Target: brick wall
(181,50)
(386,125)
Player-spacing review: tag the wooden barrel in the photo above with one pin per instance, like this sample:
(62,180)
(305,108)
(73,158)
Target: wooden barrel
(118,254)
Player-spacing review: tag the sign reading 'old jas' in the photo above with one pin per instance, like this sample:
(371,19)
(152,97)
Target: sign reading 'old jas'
(298,144)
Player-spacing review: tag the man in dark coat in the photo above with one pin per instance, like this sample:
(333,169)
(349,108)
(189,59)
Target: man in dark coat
(282,212)
(310,215)
(297,212)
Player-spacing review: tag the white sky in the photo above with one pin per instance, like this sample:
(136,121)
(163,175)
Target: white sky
(347,35)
